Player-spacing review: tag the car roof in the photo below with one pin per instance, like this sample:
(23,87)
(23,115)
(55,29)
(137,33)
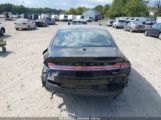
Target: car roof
(83,27)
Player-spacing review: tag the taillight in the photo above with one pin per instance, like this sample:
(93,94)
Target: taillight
(88,68)
(125,65)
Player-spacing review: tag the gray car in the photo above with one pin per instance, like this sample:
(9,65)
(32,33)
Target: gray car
(135,26)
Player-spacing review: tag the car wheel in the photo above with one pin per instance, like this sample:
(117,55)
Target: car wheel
(4,49)
(17,29)
(160,36)
(28,27)
(44,76)
(146,33)
(131,30)
(2,32)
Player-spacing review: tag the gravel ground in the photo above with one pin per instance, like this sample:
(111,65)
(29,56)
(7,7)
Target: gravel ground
(22,95)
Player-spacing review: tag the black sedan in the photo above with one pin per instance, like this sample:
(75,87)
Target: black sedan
(41,22)
(154,31)
(84,60)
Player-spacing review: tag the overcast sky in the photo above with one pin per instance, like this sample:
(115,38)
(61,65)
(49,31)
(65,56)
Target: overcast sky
(62,4)
(58,4)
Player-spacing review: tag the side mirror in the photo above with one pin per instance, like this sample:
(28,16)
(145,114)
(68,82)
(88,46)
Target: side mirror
(45,51)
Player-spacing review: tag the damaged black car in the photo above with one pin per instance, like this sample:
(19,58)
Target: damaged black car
(84,60)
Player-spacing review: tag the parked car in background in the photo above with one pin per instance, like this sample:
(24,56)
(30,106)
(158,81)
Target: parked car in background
(24,24)
(2,29)
(76,63)
(50,21)
(119,24)
(135,27)
(41,23)
(154,31)
(89,19)
(78,22)
(110,22)
(149,24)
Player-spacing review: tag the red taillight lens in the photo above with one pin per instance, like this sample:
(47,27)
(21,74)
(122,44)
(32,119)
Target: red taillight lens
(125,65)
(87,68)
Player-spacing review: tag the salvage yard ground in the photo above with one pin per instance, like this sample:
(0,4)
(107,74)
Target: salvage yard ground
(21,94)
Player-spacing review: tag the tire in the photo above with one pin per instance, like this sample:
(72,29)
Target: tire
(159,36)
(131,30)
(44,76)
(4,49)
(17,28)
(2,32)
(28,27)
(146,33)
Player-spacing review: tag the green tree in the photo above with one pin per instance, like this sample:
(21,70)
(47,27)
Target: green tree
(99,8)
(117,8)
(136,8)
(71,11)
(106,9)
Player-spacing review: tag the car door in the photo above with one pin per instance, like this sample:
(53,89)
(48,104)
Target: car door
(32,24)
(156,31)
(153,30)
(128,26)
(28,23)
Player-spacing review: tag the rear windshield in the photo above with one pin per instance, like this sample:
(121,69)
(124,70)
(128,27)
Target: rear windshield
(83,38)
(79,22)
(137,23)
(22,20)
(121,21)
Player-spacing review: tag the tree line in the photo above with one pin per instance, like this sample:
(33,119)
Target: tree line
(19,9)
(117,8)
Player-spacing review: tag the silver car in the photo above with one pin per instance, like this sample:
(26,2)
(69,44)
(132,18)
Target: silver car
(119,24)
(25,24)
(135,26)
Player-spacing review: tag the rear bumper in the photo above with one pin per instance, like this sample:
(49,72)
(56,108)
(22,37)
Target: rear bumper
(62,90)
(138,29)
(120,26)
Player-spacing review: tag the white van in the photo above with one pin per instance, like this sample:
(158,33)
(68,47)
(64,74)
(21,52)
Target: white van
(63,17)
(71,17)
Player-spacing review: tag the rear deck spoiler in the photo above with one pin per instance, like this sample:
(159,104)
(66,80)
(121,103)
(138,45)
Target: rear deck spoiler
(84,59)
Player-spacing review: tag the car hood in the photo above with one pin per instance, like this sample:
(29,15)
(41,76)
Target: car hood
(85,52)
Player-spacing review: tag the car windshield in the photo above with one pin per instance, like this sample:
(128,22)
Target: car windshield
(122,21)
(83,38)
(78,22)
(157,26)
